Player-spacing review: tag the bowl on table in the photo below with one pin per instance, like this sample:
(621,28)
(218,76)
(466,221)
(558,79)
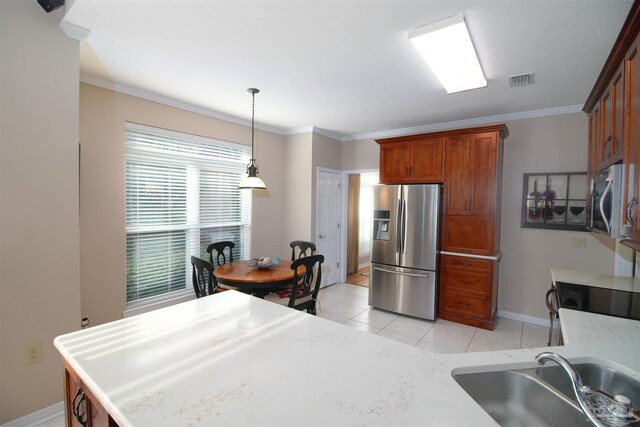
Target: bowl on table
(263,262)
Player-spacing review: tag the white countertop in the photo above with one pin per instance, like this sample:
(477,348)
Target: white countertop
(232,359)
(622,283)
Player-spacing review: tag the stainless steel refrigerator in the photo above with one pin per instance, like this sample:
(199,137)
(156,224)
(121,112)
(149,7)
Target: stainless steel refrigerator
(404,249)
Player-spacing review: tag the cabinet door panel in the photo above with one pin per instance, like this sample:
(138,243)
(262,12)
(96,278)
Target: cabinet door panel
(457,175)
(606,114)
(468,234)
(593,145)
(467,281)
(394,161)
(426,160)
(597,140)
(465,304)
(466,263)
(483,184)
(612,120)
(617,94)
(73,388)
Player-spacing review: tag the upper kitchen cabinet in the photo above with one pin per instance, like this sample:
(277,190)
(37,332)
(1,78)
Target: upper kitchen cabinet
(471,194)
(606,126)
(613,107)
(630,223)
(470,174)
(411,159)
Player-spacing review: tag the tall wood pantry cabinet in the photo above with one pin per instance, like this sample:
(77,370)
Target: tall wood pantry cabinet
(468,163)
(470,241)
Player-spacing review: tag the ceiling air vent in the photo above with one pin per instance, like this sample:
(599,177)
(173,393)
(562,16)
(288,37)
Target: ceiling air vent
(521,80)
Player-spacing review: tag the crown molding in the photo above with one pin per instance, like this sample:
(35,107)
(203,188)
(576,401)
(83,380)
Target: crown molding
(329,134)
(313,129)
(458,124)
(73,31)
(171,102)
(298,130)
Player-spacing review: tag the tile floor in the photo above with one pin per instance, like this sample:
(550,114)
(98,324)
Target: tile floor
(348,304)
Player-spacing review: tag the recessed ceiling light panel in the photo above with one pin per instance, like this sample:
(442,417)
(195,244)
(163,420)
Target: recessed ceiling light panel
(447,48)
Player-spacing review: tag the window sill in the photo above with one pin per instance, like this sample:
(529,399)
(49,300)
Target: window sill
(140,307)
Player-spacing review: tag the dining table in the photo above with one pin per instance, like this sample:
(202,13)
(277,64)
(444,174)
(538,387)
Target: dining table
(257,281)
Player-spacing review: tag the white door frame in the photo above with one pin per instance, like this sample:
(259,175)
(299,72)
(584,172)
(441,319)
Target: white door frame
(343,220)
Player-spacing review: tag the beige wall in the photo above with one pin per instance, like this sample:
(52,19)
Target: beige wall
(548,144)
(102,210)
(304,154)
(39,258)
(326,154)
(360,154)
(297,199)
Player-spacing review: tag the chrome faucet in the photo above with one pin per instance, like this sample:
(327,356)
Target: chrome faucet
(602,409)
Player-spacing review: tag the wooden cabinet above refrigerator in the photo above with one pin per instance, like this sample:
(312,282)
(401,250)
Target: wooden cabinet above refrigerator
(413,159)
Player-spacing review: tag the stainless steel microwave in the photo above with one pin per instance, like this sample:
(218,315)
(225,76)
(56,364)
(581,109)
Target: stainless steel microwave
(606,202)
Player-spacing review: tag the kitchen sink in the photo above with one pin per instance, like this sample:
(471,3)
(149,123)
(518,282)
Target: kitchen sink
(542,396)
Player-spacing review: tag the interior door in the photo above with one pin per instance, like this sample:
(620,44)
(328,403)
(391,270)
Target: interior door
(328,224)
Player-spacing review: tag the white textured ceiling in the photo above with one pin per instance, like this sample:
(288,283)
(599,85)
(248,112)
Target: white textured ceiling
(344,66)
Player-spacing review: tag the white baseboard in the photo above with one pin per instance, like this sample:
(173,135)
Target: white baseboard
(39,417)
(524,318)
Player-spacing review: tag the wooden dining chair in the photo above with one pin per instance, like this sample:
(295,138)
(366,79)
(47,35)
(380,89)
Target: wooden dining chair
(307,273)
(204,282)
(301,248)
(221,252)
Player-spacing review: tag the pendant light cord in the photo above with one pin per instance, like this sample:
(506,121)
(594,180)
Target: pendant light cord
(253,131)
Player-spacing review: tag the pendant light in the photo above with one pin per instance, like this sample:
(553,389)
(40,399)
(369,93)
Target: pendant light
(251,181)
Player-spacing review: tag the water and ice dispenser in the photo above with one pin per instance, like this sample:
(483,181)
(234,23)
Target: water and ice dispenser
(381,225)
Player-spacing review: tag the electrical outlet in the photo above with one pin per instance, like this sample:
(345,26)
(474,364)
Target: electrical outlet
(32,353)
(579,242)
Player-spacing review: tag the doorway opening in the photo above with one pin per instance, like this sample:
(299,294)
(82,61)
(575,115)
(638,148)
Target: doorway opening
(359,214)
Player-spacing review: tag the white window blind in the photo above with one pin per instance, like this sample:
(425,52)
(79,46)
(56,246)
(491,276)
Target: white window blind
(367,181)
(181,195)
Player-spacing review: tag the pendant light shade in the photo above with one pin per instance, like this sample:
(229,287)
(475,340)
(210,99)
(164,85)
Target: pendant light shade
(251,181)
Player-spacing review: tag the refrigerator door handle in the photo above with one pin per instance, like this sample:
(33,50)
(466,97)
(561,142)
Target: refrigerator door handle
(399,228)
(400,273)
(404,226)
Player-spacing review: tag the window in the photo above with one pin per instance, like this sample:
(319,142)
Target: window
(367,181)
(181,195)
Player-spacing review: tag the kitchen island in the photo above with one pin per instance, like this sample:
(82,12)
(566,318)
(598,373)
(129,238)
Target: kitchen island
(232,359)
